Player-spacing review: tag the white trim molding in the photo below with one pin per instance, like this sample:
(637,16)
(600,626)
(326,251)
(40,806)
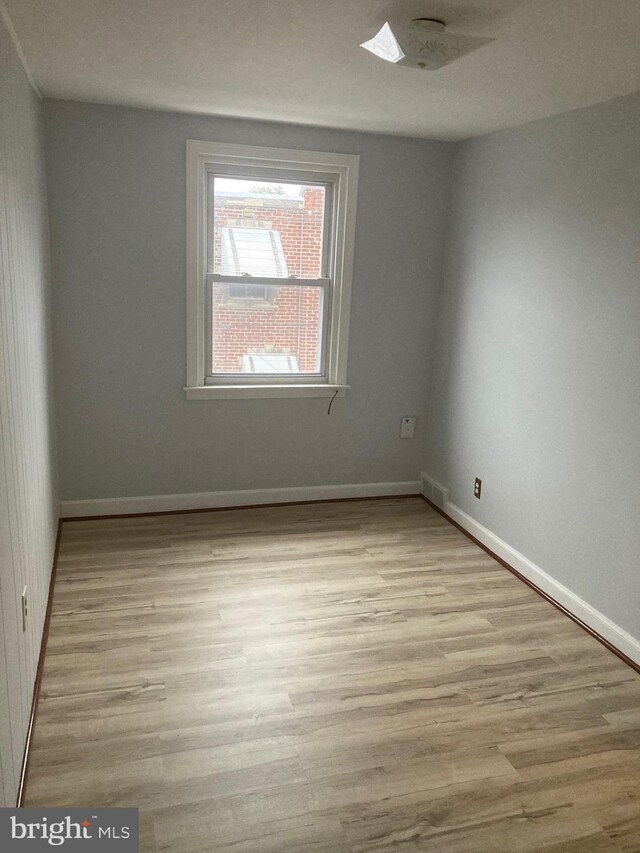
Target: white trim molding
(581,609)
(245,497)
(239,392)
(337,171)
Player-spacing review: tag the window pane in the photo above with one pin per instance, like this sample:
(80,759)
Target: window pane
(267,329)
(265,228)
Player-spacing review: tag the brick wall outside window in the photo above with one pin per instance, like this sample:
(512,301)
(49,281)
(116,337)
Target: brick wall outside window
(287,322)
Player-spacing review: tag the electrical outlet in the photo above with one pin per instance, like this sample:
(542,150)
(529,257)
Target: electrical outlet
(477,488)
(407,427)
(25,609)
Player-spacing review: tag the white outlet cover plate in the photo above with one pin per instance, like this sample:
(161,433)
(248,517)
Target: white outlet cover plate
(407,427)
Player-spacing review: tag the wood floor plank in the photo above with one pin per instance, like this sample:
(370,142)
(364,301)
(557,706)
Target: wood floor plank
(328,678)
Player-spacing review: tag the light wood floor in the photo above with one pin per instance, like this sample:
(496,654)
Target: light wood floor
(337,677)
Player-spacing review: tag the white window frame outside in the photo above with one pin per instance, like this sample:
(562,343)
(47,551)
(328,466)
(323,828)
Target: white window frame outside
(340,173)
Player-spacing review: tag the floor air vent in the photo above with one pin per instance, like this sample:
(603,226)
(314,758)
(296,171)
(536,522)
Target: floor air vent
(434,492)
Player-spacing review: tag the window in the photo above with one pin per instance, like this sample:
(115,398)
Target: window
(270,237)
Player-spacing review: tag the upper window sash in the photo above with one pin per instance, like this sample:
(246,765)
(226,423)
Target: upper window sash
(285,176)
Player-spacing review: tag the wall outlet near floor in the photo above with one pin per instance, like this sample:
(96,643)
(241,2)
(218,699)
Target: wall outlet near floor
(407,427)
(477,488)
(25,609)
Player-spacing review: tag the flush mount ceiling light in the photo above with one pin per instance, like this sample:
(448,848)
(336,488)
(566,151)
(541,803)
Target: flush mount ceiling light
(422,44)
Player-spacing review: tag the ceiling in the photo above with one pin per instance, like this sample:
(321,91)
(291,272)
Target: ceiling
(300,61)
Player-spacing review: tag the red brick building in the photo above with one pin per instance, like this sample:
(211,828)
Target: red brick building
(269,233)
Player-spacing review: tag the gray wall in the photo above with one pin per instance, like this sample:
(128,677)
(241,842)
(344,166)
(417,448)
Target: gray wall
(538,371)
(28,507)
(117,202)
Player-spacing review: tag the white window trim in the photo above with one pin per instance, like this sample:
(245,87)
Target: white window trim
(342,169)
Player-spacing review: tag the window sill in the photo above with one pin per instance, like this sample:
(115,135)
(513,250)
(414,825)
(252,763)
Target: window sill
(244,392)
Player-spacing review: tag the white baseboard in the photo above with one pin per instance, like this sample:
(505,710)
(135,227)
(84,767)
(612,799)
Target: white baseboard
(598,622)
(246,497)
